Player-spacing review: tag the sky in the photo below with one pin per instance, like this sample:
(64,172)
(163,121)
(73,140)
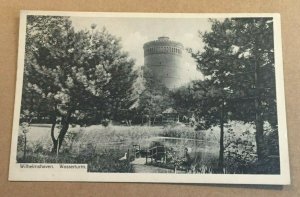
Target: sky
(134,32)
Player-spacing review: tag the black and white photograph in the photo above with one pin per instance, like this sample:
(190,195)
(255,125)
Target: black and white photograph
(144,97)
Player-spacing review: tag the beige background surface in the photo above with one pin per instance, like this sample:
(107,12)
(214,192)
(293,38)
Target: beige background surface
(9,19)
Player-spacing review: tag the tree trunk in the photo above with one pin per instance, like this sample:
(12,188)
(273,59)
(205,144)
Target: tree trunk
(116,111)
(54,141)
(149,121)
(221,153)
(259,135)
(65,126)
(25,148)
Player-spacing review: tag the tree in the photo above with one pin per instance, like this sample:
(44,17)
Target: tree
(45,46)
(71,70)
(207,101)
(154,99)
(183,97)
(256,38)
(117,91)
(238,60)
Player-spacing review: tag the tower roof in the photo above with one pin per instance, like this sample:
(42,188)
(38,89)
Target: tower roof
(163,38)
(170,111)
(163,41)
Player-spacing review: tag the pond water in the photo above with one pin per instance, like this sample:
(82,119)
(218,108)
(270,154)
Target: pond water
(197,149)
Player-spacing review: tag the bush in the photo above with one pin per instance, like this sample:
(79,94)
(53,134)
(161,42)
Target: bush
(105,122)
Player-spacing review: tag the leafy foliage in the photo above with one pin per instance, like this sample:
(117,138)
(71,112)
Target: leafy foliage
(238,64)
(68,72)
(154,99)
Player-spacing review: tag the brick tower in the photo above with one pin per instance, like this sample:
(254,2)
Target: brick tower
(163,57)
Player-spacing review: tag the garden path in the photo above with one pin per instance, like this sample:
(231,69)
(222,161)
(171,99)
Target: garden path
(139,166)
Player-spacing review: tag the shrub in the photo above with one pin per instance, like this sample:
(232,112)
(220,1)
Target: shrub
(105,122)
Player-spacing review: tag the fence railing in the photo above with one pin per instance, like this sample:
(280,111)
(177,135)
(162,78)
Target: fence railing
(157,153)
(136,150)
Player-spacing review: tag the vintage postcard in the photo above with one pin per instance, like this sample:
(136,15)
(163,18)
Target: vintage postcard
(150,97)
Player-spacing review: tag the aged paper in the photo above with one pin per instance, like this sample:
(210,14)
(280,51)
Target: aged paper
(124,97)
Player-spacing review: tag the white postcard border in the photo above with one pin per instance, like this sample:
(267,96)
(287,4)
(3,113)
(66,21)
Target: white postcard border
(27,174)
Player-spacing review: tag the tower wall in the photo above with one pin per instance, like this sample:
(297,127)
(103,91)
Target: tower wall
(164,58)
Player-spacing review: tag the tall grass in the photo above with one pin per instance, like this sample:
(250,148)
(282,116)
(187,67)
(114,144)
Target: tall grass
(102,147)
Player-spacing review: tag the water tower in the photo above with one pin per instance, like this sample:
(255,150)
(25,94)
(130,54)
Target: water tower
(163,57)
